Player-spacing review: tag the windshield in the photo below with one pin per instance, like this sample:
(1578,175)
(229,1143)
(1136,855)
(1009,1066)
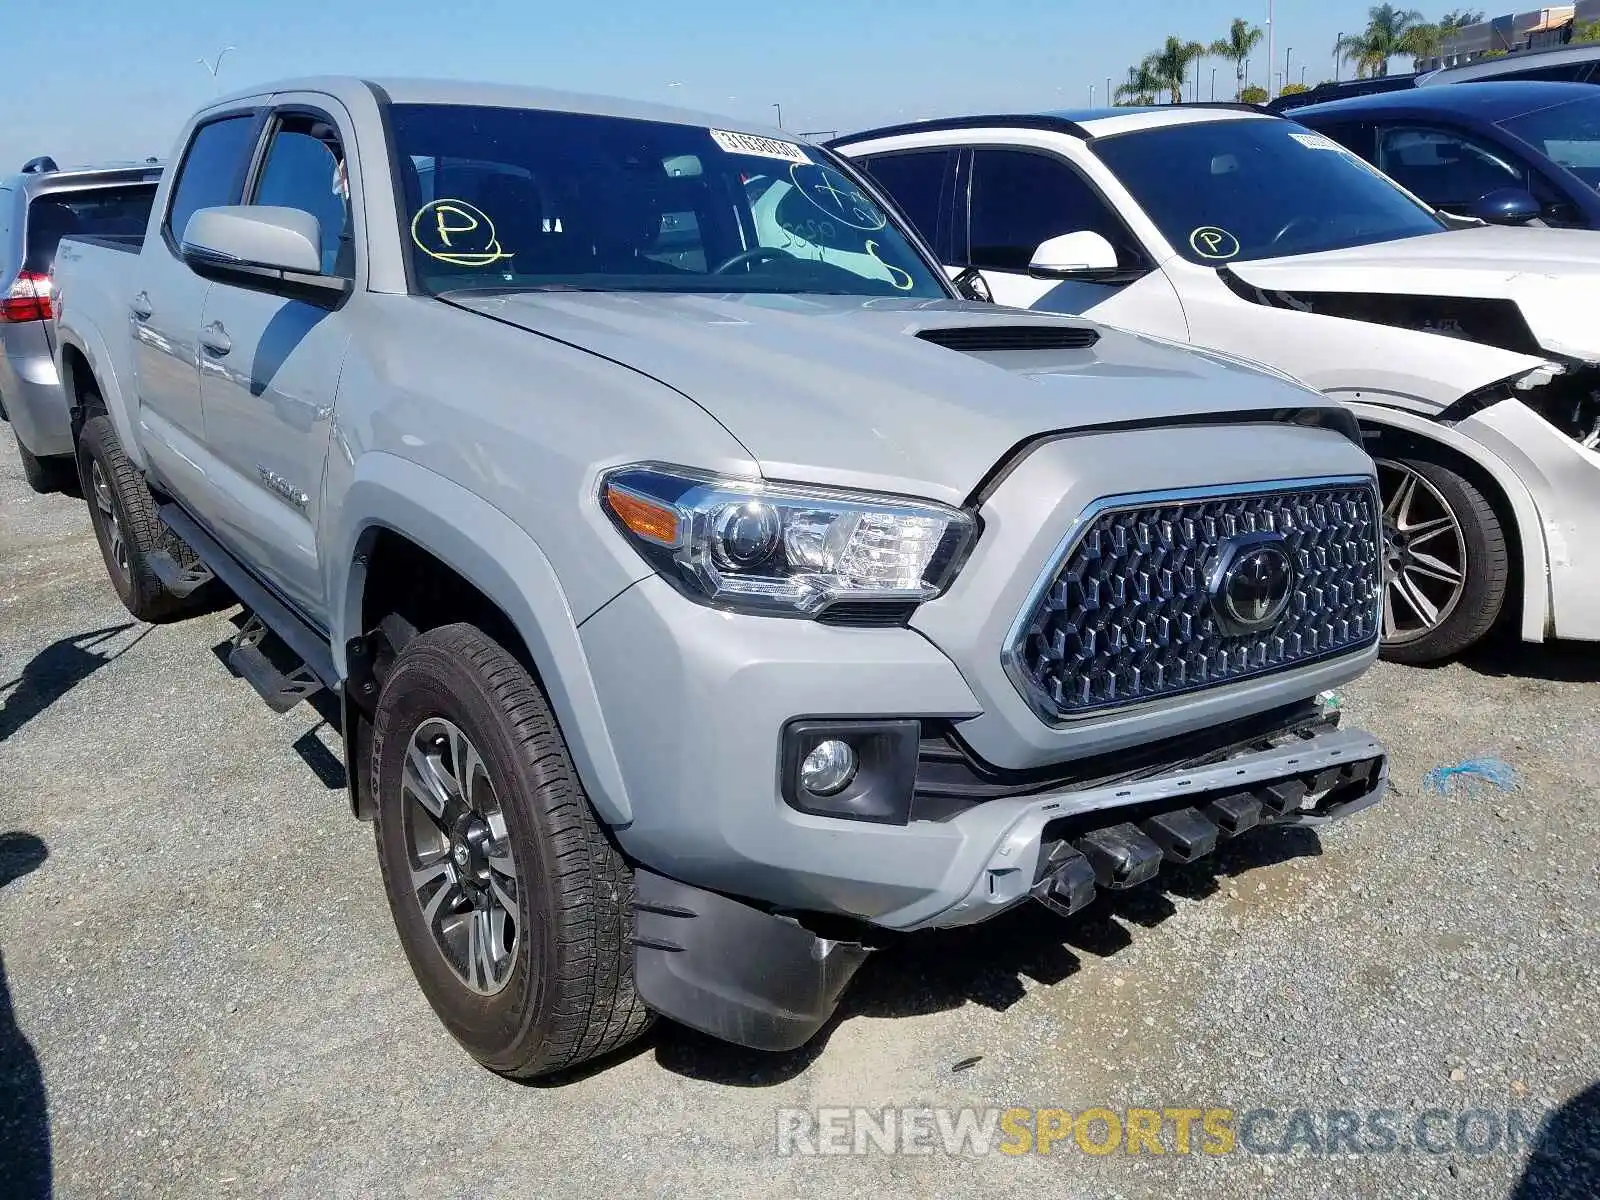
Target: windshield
(517,198)
(1568,134)
(1240,189)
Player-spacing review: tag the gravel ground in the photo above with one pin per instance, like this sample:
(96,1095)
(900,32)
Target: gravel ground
(200,962)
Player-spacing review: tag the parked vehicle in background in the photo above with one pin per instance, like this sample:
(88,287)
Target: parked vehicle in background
(1555,64)
(1470,354)
(709,593)
(1340,90)
(38,206)
(1506,153)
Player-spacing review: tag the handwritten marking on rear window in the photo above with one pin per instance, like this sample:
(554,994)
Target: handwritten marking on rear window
(458,233)
(1210,242)
(749,143)
(835,195)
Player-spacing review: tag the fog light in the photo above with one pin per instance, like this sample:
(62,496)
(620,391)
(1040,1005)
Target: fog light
(828,768)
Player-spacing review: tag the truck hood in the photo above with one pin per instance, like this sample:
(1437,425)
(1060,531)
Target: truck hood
(1551,275)
(843,390)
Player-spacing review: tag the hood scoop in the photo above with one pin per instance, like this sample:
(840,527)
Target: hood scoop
(980,339)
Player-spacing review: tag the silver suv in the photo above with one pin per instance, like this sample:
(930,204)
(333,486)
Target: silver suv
(39,206)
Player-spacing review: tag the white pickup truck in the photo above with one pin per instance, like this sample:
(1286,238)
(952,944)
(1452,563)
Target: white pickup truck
(709,593)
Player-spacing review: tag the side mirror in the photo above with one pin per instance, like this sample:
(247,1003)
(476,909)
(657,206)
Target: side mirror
(1081,253)
(1506,206)
(970,285)
(263,248)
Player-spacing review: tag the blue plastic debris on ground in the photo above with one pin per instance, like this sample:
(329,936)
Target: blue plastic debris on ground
(1499,773)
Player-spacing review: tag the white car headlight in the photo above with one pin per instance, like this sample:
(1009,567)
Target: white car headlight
(781,549)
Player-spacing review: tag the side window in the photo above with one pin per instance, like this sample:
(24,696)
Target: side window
(1020,198)
(1570,73)
(914,180)
(305,169)
(212,171)
(1449,170)
(1354,136)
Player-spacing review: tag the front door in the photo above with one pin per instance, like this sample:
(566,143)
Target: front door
(269,367)
(1017,198)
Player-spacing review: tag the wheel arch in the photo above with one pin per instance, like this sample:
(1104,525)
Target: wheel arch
(84,362)
(398,520)
(1513,503)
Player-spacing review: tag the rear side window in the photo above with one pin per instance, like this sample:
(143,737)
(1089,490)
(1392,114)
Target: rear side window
(120,212)
(915,181)
(212,172)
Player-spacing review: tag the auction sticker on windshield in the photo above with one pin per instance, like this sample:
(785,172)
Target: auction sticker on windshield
(1316,141)
(749,143)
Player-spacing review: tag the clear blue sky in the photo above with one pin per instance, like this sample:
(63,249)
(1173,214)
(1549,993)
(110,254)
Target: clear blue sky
(96,79)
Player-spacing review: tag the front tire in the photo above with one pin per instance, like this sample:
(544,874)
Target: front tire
(512,907)
(1446,567)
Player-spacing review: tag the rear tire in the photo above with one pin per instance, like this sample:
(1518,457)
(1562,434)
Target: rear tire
(125,524)
(514,860)
(1455,531)
(44,475)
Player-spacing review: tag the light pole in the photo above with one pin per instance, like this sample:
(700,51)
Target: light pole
(1286,76)
(1337,42)
(779,107)
(1213,84)
(1269,49)
(1302,74)
(216,66)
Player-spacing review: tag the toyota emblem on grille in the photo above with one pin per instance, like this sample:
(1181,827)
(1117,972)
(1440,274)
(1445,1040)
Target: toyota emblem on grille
(1251,582)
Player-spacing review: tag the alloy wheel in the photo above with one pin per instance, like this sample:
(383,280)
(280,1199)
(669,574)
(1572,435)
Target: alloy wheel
(1424,555)
(463,876)
(103,500)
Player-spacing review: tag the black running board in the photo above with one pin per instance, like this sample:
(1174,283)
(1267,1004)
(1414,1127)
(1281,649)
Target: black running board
(180,581)
(304,641)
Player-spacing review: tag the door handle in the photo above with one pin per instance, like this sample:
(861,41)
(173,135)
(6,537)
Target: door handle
(141,307)
(215,339)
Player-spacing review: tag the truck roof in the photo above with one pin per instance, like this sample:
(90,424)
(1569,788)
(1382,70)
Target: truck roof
(402,90)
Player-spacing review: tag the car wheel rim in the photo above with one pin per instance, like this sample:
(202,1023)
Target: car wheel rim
(108,515)
(1424,555)
(463,877)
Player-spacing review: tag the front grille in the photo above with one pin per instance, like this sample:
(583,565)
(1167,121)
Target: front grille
(1126,615)
(978,339)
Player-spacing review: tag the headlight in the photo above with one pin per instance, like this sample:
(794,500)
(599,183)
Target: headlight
(784,550)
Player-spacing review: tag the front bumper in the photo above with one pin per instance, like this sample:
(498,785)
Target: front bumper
(764,980)
(695,701)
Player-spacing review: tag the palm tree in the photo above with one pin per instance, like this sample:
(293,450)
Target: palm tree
(1171,64)
(1390,32)
(1237,47)
(1141,88)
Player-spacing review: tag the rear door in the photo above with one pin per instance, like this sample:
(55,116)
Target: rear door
(921,184)
(269,367)
(168,298)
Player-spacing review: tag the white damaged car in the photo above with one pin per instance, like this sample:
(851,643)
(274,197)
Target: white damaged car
(1470,354)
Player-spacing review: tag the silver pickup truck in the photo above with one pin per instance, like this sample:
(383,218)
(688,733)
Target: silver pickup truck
(710,593)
